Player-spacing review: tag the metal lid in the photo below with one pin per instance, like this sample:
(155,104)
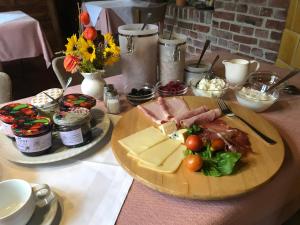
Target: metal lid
(25,126)
(14,110)
(78,100)
(75,116)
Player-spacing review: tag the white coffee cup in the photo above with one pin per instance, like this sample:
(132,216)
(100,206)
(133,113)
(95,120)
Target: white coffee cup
(18,201)
(238,70)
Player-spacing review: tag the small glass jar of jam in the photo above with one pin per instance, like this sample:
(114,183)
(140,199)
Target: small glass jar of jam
(12,111)
(33,135)
(47,102)
(77,100)
(74,126)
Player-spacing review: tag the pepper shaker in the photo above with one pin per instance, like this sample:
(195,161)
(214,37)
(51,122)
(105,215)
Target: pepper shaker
(107,88)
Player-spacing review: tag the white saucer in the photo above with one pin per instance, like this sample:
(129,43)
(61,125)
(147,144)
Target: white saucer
(45,215)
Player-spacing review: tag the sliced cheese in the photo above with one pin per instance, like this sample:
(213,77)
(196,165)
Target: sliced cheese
(171,164)
(168,127)
(142,140)
(159,152)
(179,135)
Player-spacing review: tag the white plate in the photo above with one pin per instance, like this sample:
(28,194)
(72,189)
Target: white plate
(45,215)
(9,151)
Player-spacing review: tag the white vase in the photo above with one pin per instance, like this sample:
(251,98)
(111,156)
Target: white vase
(93,84)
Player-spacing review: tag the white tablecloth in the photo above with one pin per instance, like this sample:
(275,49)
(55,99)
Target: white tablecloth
(91,188)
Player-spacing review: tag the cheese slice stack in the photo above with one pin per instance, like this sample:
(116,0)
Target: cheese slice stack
(153,150)
(171,164)
(142,140)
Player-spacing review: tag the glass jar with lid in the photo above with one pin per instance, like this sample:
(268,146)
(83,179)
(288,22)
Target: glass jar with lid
(74,126)
(47,101)
(12,111)
(33,135)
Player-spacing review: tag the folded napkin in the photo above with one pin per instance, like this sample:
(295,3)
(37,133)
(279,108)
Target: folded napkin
(10,16)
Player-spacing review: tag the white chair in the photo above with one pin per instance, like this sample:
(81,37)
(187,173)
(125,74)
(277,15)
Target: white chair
(5,88)
(62,75)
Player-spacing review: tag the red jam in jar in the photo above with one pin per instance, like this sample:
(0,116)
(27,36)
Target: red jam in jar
(12,111)
(77,100)
(74,126)
(33,135)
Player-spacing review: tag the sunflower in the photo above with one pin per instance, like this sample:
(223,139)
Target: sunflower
(109,39)
(87,49)
(71,46)
(111,54)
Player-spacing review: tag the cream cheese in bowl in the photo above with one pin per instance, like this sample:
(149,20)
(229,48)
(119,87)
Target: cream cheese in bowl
(215,87)
(255,99)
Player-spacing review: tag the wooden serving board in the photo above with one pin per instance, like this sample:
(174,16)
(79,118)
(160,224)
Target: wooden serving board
(254,169)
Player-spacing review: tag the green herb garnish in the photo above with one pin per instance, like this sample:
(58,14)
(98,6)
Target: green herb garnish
(194,129)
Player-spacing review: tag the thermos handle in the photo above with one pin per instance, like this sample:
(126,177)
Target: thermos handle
(130,44)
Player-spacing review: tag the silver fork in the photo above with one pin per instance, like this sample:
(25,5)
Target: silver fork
(228,112)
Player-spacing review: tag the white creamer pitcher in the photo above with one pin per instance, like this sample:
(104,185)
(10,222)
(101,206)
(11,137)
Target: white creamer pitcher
(171,57)
(237,70)
(138,55)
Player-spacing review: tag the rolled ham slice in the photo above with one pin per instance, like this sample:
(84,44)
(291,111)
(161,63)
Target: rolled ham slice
(202,118)
(164,109)
(190,114)
(176,106)
(161,101)
(155,115)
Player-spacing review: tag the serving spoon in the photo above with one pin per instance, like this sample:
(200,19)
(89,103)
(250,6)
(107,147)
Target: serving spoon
(67,84)
(207,42)
(290,75)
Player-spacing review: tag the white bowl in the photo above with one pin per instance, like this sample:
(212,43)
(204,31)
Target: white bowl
(252,97)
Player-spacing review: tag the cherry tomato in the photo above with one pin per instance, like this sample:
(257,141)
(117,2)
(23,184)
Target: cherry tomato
(90,33)
(194,143)
(217,144)
(193,162)
(84,18)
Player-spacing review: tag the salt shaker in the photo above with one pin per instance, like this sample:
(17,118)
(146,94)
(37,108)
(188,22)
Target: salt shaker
(113,102)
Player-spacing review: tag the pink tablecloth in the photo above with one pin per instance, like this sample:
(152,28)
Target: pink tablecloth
(107,16)
(22,37)
(270,204)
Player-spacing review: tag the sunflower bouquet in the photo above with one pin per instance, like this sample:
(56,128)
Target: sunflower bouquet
(90,51)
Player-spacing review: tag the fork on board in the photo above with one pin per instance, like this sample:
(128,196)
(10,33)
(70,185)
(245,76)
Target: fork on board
(228,112)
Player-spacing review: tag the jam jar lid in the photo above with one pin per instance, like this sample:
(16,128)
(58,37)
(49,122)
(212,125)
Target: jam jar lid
(47,98)
(78,100)
(75,116)
(24,127)
(10,112)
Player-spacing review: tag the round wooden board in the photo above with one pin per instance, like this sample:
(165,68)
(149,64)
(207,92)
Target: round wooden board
(254,170)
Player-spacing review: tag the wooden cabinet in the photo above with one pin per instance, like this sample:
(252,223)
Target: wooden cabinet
(45,12)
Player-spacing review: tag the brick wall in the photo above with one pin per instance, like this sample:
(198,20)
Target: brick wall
(246,27)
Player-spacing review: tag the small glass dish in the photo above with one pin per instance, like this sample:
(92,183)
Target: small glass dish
(265,77)
(173,88)
(212,88)
(141,95)
(253,97)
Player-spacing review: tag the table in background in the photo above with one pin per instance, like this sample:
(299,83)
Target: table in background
(270,204)
(21,37)
(107,16)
